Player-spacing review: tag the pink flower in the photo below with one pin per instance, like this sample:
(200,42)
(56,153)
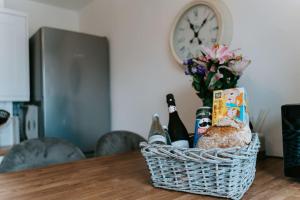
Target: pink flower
(220,53)
(219,75)
(237,67)
(214,79)
(213,68)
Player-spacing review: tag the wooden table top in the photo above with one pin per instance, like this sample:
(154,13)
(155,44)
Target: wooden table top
(126,177)
(4,150)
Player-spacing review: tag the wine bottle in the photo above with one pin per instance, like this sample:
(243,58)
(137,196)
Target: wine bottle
(156,134)
(169,142)
(177,131)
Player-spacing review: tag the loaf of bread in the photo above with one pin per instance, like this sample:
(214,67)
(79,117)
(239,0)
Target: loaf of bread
(225,137)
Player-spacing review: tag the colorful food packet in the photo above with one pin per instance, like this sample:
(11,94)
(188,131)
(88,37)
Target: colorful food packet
(230,108)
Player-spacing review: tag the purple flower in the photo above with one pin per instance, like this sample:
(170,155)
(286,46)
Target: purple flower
(201,70)
(194,70)
(188,62)
(187,71)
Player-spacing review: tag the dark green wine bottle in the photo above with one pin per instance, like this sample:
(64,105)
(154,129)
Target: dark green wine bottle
(177,131)
(169,142)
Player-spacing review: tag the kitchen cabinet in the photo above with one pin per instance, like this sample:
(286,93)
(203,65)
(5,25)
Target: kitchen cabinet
(14,56)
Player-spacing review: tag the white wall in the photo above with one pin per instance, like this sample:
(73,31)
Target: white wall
(143,71)
(269,38)
(1,3)
(45,15)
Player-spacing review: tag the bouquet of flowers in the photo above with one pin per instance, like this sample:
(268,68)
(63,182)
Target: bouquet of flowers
(218,68)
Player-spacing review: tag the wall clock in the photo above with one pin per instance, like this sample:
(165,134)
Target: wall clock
(200,23)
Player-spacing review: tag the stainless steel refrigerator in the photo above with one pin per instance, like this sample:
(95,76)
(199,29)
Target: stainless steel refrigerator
(70,85)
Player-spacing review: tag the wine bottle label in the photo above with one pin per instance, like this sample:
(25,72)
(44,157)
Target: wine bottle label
(172,109)
(157,138)
(181,144)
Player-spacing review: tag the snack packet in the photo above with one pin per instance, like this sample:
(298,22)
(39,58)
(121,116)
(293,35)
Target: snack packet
(230,108)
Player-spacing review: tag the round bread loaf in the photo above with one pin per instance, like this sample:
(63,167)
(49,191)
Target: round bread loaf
(225,137)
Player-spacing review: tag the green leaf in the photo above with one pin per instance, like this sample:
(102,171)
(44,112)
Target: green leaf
(196,86)
(219,85)
(196,79)
(209,77)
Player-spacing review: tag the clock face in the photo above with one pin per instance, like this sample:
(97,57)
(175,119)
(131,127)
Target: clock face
(199,25)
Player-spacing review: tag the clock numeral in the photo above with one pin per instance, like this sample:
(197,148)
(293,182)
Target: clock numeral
(195,12)
(210,19)
(215,28)
(182,49)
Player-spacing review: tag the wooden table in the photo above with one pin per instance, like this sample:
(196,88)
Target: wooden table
(126,177)
(4,150)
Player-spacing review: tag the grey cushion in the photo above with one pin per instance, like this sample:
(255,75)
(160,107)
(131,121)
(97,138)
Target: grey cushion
(117,142)
(38,153)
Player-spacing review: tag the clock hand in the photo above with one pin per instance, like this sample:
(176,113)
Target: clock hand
(203,23)
(199,41)
(193,29)
(191,41)
(191,24)
(196,34)
(201,26)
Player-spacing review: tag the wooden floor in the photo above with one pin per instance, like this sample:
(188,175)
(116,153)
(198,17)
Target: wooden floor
(270,183)
(126,177)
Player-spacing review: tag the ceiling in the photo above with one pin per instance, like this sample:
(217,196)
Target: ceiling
(68,4)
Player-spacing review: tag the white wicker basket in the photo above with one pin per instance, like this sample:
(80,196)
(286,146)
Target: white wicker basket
(217,172)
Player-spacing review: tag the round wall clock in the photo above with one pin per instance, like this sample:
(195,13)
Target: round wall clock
(200,23)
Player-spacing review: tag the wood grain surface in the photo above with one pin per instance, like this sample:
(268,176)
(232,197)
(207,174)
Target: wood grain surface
(4,150)
(126,177)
